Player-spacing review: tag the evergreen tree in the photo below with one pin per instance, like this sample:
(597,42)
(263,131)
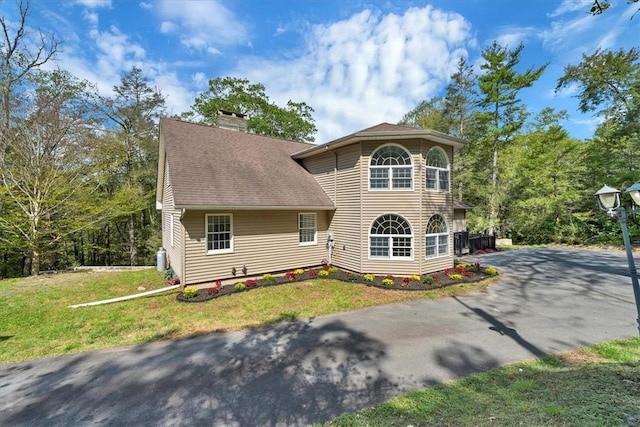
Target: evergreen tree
(503,114)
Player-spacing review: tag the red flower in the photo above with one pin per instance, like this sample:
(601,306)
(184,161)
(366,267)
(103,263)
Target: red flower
(468,273)
(250,283)
(436,277)
(447,271)
(212,290)
(313,273)
(477,265)
(460,268)
(479,252)
(290,275)
(406,280)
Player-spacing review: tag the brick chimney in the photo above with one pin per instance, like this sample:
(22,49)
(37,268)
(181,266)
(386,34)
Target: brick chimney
(231,120)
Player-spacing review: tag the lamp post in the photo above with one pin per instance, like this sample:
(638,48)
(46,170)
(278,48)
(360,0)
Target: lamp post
(609,201)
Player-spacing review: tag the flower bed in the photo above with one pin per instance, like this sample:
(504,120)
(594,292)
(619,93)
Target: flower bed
(461,273)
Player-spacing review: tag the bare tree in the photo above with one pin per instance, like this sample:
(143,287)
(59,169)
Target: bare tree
(21,53)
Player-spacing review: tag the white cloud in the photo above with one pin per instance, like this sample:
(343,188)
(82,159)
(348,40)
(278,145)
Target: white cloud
(512,37)
(367,69)
(91,18)
(146,6)
(91,4)
(167,27)
(569,6)
(201,25)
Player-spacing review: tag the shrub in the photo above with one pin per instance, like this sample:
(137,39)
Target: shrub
(491,271)
(298,271)
(428,280)
(368,277)
(455,276)
(323,273)
(239,286)
(332,269)
(387,281)
(269,279)
(460,268)
(352,277)
(189,292)
(215,288)
(415,278)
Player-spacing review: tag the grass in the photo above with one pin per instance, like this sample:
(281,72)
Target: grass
(595,386)
(36,322)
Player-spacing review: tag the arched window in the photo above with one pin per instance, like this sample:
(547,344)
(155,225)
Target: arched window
(437,170)
(390,237)
(390,168)
(437,237)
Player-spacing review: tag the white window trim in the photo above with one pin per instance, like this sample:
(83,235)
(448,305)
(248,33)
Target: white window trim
(438,254)
(390,241)
(315,229)
(437,169)
(446,235)
(390,169)
(206,235)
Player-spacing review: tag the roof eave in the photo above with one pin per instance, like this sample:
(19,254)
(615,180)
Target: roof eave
(253,208)
(432,135)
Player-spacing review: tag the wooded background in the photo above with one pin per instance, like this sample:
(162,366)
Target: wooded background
(78,170)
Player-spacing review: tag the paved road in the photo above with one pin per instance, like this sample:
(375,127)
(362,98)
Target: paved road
(312,370)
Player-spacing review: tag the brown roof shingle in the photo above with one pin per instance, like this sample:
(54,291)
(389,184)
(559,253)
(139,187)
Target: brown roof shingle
(212,167)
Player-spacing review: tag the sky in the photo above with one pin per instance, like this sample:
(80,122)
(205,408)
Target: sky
(356,63)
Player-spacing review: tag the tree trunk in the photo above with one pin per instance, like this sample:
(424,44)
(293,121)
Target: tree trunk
(133,250)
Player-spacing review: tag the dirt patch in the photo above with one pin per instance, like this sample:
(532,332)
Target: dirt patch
(580,357)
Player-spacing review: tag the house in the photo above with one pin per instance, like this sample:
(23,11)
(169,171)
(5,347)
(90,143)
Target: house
(234,203)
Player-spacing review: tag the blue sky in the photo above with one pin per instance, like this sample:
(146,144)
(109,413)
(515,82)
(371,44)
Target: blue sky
(357,63)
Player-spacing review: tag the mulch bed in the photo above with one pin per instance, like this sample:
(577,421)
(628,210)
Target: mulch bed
(399,283)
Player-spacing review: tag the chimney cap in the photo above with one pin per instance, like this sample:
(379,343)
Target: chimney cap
(231,113)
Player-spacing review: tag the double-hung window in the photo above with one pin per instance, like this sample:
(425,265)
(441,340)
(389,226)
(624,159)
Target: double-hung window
(437,170)
(390,168)
(219,233)
(307,230)
(437,237)
(391,237)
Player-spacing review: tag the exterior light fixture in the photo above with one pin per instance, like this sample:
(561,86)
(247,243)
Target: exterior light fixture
(609,201)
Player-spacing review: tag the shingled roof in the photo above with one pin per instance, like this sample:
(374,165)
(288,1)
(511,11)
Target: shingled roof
(210,167)
(384,132)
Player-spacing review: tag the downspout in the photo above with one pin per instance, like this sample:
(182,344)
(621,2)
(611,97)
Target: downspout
(183,249)
(330,236)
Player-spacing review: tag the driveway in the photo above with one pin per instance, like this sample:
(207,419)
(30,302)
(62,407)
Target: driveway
(311,370)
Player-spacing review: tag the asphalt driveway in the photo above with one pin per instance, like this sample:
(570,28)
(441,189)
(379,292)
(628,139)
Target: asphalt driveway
(311,370)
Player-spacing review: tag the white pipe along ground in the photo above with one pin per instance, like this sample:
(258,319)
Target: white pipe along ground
(128,297)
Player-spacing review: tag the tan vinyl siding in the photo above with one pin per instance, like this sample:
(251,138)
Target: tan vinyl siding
(263,241)
(346,223)
(405,203)
(459,221)
(434,202)
(322,167)
(174,251)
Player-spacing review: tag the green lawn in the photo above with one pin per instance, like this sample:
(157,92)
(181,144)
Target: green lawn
(596,386)
(35,320)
